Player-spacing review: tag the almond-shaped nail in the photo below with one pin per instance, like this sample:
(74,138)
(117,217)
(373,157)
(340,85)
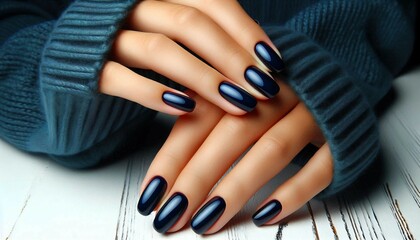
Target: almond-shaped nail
(237,96)
(171,211)
(264,83)
(267,212)
(178,101)
(269,57)
(151,195)
(208,215)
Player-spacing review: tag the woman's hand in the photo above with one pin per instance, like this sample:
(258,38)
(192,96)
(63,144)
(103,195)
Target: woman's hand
(203,145)
(230,43)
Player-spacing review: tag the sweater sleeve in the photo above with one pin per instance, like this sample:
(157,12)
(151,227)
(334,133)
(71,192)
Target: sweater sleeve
(51,56)
(341,57)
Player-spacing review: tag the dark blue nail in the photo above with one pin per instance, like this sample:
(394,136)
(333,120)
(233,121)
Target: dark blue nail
(169,214)
(261,81)
(208,215)
(237,96)
(267,212)
(269,57)
(178,101)
(151,195)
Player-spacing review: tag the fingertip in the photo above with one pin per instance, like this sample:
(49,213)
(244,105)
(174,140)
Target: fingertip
(270,56)
(171,212)
(238,97)
(179,101)
(208,215)
(262,81)
(152,195)
(267,213)
(314,177)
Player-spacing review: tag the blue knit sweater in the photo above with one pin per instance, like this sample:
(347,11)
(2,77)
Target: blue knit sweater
(341,56)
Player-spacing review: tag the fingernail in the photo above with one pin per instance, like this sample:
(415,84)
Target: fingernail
(178,101)
(208,215)
(261,81)
(169,214)
(151,195)
(269,57)
(267,212)
(237,96)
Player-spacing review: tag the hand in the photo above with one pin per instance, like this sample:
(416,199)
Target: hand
(204,144)
(219,32)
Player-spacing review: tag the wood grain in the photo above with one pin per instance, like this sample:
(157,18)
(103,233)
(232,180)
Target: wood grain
(40,200)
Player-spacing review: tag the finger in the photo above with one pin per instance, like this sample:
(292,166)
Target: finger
(164,56)
(185,138)
(273,151)
(229,139)
(243,29)
(314,177)
(117,80)
(206,38)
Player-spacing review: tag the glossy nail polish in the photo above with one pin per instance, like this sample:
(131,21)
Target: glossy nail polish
(178,101)
(269,57)
(208,215)
(237,96)
(169,214)
(267,212)
(151,195)
(261,81)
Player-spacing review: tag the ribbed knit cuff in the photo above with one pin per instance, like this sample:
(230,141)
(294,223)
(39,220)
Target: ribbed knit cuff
(20,114)
(81,126)
(79,43)
(340,109)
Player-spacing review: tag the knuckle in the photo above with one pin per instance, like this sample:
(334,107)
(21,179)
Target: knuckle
(275,145)
(106,83)
(155,42)
(205,75)
(109,69)
(184,15)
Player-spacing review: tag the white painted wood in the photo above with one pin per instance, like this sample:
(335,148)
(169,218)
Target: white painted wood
(40,200)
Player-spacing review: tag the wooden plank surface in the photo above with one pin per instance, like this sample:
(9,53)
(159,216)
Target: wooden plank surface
(40,200)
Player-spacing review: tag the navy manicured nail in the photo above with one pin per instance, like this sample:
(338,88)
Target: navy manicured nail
(178,101)
(262,82)
(269,57)
(151,195)
(267,212)
(169,214)
(208,215)
(237,96)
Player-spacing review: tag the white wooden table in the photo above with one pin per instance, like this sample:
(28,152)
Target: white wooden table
(40,200)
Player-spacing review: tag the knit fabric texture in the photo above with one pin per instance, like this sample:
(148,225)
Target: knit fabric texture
(341,57)
(49,73)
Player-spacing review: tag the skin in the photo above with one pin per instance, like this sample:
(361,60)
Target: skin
(195,157)
(151,43)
